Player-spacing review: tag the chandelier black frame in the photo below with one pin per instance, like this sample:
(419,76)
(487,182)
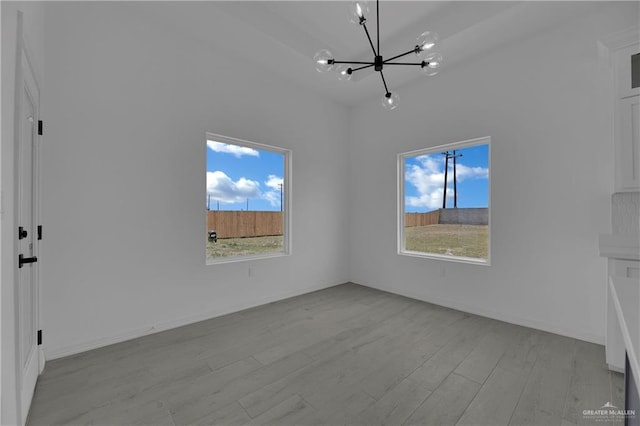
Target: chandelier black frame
(430,59)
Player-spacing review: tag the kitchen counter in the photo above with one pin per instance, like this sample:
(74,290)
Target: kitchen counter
(620,246)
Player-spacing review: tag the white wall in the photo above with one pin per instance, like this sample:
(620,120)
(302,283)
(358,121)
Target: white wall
(128,102)
(33,14)
(542,103)
(128,105)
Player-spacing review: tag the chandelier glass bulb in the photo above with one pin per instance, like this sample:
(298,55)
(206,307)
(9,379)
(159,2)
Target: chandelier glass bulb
(358,10)
(323,60)
(390,101)
(343,72)
(431,63)
(426,42)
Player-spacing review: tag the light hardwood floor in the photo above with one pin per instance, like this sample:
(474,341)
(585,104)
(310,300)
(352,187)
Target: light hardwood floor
(345,355)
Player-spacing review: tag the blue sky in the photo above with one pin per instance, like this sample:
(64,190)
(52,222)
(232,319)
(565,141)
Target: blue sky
(424,180)
(236,174)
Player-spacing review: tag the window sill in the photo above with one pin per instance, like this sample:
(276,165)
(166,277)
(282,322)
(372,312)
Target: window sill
(235,259)
(457,259)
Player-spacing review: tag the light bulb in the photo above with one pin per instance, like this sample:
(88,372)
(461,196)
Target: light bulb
(390,101)
(358,11)
(323,60)
(431,63)
(344,72)
(426,42)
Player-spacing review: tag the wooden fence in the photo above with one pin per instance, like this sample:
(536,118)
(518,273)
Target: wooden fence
(233,224)
(422,219)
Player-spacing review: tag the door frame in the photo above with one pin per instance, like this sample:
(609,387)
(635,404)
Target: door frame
(26,75)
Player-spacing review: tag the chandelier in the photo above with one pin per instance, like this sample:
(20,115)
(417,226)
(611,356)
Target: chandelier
(429,59)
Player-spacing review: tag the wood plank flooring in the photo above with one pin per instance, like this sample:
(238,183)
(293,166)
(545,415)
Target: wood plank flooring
(347,355)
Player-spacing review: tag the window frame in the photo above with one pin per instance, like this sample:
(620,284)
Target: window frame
(401,157)
(286,180)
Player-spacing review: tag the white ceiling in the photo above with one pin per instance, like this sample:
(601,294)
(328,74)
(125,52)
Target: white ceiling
(284,35)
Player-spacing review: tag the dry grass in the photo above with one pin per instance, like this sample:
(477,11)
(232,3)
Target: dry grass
(455,240)
(245,246)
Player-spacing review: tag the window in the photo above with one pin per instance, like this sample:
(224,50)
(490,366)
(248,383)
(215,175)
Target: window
(247,200)
(443,202)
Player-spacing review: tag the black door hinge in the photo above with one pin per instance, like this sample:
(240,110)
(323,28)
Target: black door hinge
(39,232)
(40,127)
(39,337)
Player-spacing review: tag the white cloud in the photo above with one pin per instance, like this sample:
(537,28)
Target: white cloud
(428,179)
(274,182)
(273,196)
(429,163)
(236,150)
(428,183)
(222,188)
(465,172)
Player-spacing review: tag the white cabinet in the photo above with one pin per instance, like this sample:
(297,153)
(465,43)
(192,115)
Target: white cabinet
(623,252)
(622,247)
(614,347)
(627,145)
(624,60)
(627,135)
(625,295)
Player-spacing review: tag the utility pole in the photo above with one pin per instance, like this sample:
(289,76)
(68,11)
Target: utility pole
(208,201)
(455,180)
(281,207)
(247,204)
(447,156)
(446,170)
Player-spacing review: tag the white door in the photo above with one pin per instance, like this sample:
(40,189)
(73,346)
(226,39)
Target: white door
(28,354)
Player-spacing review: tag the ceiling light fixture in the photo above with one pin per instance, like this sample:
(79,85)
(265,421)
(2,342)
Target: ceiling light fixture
(430,60)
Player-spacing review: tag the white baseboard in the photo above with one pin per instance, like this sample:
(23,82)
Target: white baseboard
(63,351)
(525,322)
